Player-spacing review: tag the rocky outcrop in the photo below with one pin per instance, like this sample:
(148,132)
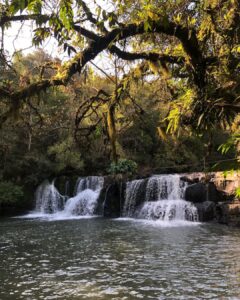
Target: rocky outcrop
(225,182)
(228,213)
(201,192)
(206,211)
(214,196)
(66,185)
(113,199)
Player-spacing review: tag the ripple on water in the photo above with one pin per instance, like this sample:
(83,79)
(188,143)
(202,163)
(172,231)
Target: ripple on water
(123,259)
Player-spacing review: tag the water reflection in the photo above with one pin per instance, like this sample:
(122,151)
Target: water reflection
(107,259)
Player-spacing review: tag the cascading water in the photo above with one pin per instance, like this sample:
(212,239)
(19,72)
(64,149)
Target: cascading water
(87,193)
(168,210)
(84,203)
(94,183)
(164,200)
(160,197)
(160,187)
(134,189)
(48,199)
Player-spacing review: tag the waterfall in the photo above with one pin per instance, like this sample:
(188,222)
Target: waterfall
(93,183)
(168,210)
(84,203)
(164,200)
(87,194)
(160,197)
(160,187)
(134,189)
(48,199)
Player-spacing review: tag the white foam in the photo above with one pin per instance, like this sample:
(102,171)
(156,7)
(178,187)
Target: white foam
(167,210)
(51,205)
(59,216)
(159,223)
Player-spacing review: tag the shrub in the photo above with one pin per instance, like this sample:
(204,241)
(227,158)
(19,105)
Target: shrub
(10,193)
(123,166)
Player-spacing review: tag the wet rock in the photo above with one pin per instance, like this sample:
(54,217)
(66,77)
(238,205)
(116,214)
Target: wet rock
(196,192)
(206,211)
(201,192)
(113,200)
(189,180)
(66,185)
(228,213)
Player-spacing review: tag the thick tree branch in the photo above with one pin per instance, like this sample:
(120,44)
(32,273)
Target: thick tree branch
(36,17)
(34,88)
(188,39)
(86,33)
(101,43)
(152,56)
(88,12)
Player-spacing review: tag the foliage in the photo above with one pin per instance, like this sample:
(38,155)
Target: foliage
(45,139)
(65,156)
(193,47)
(123,166)
(238,192)
(230,143)
(10,193)
(233,143)
(169,88)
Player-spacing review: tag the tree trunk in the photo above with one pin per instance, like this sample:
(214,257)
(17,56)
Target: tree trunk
(112,131)
(30,133)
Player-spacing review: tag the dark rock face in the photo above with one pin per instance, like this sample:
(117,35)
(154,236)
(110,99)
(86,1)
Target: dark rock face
(66,185)
(206,211)
(222,214)
(113,199)
(201,192)
(228,213)
(196,193)
(205,197)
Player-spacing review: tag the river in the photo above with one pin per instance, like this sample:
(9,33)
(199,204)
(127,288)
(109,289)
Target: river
(96,258)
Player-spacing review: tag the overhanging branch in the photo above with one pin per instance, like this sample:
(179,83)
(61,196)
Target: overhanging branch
(36,17)
(152,56)
(100,43)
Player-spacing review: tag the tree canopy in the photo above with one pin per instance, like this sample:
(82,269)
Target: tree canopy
(148,83)
(193,45)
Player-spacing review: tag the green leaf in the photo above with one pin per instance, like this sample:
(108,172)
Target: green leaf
(238,192)
(66,14)
(147,26)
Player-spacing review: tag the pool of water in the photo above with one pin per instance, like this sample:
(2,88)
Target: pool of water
(117,259)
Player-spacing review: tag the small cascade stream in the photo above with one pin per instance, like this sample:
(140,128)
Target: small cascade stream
(94,183)
(48,199)
(84,203)
(134,191)
(87,191)
(163,200)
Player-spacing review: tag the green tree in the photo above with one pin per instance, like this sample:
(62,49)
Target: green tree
(196,43)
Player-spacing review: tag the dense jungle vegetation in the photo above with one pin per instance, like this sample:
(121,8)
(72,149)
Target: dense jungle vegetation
(164,98)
